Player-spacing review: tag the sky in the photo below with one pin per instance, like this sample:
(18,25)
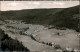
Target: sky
(19,5)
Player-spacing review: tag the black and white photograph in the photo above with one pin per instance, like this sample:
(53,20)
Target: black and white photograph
(39,26)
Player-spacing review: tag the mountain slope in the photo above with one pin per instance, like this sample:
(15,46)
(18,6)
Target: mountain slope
(59,17)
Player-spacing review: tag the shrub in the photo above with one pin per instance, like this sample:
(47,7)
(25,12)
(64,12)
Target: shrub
(57,46)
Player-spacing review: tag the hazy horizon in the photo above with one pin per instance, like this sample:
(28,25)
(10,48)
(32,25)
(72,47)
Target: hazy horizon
(19,5)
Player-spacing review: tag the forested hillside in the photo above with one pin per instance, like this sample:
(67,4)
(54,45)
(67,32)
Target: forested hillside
(58,17)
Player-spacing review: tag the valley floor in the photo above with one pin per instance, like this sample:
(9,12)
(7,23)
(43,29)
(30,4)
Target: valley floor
(41,38)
